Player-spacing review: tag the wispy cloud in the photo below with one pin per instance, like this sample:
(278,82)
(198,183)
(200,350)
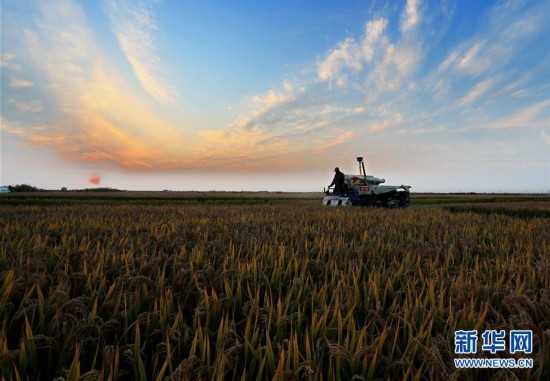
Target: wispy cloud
(134,26)
(508,27)
(101,118)
(6,61)
(411,15)
(31,106)
(272,98)
(467,58)
(10,127)
(14,82)
(240,147)
(337,138)
(351,55)
(395,90)
(345,56)
(310,116)
(364,93)
(400,59)
(386,65)
(477,91)
(536,116)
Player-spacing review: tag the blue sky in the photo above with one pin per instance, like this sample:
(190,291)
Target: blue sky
(258,95)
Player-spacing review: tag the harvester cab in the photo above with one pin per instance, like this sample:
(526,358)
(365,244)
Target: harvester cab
(366,190)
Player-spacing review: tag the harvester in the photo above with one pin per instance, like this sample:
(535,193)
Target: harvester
(366,190)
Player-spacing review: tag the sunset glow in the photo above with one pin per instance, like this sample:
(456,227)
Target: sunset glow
(152,95)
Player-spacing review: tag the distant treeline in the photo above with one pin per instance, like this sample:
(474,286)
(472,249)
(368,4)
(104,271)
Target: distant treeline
(24,188)
(31,188)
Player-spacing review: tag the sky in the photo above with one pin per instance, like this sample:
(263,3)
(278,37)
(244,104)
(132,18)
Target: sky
(445,96)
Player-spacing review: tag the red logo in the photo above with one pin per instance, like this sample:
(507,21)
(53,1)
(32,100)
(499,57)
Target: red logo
(364,189)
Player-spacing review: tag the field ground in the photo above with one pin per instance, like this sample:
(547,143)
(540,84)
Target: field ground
(193,285)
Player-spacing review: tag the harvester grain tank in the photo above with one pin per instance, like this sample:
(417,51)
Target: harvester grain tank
(365,190)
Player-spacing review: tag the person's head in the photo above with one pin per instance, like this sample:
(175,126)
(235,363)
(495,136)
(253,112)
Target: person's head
(336,169)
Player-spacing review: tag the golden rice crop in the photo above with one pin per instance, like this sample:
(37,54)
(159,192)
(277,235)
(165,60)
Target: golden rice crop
(517,209)
(120,290)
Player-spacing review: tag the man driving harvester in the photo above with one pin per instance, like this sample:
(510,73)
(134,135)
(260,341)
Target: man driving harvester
(339,181)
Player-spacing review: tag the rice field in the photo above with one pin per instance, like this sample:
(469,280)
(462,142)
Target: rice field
(154,288)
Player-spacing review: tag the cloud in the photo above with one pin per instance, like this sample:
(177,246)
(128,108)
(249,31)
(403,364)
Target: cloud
(310,117)
(350,55)
(104,120)
(399,60)
(337,138)
(421,131)
(386,65)
(243,148)
(271,98)
(466,59)
(411,16)
(471,62)
(134,26)
(500,67)
(509,26)
(20,83)
(247,141)
(101,117)
(382,124)
(395,69)
(31,106)
(285,123)
(374,38)
(6,61)
(10,127)
(477,91)
(365,92)
(345,56)
(533,116)
(361,69)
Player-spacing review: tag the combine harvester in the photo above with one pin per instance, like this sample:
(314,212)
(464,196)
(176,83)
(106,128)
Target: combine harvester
(366,190)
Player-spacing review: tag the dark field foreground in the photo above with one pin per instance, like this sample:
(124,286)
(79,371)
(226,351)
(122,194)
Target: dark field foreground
(184,288)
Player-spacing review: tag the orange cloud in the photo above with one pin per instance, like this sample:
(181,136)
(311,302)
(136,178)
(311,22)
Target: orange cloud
(14,82)
(103,119)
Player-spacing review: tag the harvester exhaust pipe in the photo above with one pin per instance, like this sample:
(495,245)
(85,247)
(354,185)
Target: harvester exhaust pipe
(361,166)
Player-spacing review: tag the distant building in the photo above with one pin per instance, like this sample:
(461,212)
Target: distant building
(4,189)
